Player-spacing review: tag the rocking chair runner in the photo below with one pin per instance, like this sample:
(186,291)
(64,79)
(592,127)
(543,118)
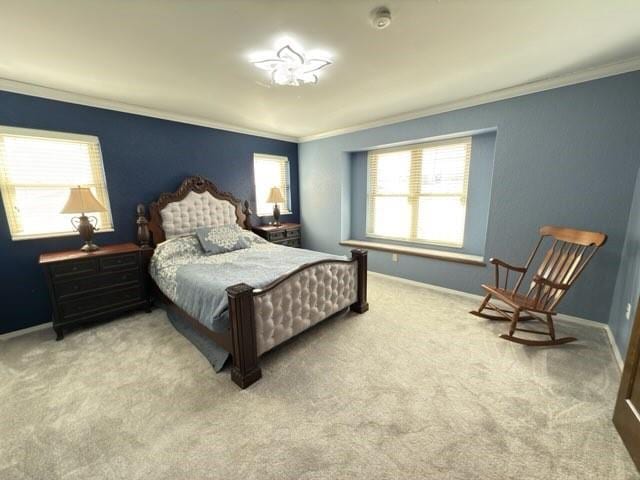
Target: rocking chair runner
(569,254)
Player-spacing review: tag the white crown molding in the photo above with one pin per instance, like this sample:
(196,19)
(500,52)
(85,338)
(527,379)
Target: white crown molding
(90,101)
(573,78)
(561,316)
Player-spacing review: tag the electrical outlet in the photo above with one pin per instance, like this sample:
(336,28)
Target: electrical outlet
(394,257)
(628,312)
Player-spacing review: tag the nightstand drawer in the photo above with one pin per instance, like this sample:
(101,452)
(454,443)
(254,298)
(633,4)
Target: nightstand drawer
(78,267)
(286,234)
(293,233)
(114,279)
(273,236)
(291,242)
(99,303)
(118,262)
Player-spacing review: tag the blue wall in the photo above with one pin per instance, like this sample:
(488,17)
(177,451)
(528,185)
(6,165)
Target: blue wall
(628,282)
(567,156)
(143,157)
(478,197)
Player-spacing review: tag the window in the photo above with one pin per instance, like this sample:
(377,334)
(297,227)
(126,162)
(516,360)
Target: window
(271,171)
(37,169)
(418,193)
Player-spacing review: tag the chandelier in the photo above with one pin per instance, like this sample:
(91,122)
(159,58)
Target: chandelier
(291,67)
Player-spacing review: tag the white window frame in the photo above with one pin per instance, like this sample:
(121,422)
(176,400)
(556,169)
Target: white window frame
(414,193)
(7,188)
(285,186)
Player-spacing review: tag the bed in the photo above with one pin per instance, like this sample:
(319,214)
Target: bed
(250,300)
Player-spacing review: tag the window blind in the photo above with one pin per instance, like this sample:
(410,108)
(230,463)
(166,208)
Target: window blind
(271,171)
(418,193)
(37,169)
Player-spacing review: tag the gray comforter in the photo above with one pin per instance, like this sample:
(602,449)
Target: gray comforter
(196,282)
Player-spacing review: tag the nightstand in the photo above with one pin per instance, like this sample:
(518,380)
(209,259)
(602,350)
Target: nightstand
(95,286)
(285,234)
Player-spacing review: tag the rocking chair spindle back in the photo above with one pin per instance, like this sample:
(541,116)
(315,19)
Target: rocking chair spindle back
(570,252)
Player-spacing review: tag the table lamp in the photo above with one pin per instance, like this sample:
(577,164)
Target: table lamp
(275,197)
(81,200)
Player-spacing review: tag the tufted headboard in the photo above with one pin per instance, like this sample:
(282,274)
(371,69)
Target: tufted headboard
(196,203)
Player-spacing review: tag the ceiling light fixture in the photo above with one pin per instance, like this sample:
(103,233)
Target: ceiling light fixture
(289,65)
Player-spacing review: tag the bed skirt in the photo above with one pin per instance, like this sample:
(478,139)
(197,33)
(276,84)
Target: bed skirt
(215,355)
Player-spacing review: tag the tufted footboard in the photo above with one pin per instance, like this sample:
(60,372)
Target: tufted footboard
(302,300)
(263,318)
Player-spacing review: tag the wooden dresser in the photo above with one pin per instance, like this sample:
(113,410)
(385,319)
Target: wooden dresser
(87,287)
(285,234)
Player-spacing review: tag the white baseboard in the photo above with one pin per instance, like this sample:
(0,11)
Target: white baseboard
(24,331)
(560,316)
(430,286)
(614,347)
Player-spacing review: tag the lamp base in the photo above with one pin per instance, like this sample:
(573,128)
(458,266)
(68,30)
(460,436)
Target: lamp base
(90,247)
(85,228)
(276,215)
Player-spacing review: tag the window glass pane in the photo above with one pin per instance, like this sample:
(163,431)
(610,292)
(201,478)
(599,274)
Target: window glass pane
(393,172)
(392,217)
(41,161)
(38,169)
(441,220)
(443,169)
(269,172)
(419,192)
(45,205)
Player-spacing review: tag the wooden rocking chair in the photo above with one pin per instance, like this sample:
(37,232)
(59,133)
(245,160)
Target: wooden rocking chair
(569,254)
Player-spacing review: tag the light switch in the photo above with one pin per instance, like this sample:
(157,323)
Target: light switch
(394,257)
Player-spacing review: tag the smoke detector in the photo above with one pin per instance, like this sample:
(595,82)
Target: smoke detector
(381,18)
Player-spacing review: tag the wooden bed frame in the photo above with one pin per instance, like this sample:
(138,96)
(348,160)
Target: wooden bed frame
(240,339)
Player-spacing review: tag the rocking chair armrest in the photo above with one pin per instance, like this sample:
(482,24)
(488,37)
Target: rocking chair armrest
(498,262)
(548,283)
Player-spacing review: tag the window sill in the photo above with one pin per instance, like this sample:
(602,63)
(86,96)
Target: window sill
(40,236)
(270,214)
(418,252)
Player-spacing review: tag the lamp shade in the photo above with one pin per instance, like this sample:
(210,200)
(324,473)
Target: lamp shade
(81,200)
(275,196)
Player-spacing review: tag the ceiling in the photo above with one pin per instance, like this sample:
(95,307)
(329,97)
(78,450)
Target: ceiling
(189,58)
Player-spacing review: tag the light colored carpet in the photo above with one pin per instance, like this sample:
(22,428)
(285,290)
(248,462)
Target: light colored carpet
(415,388)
